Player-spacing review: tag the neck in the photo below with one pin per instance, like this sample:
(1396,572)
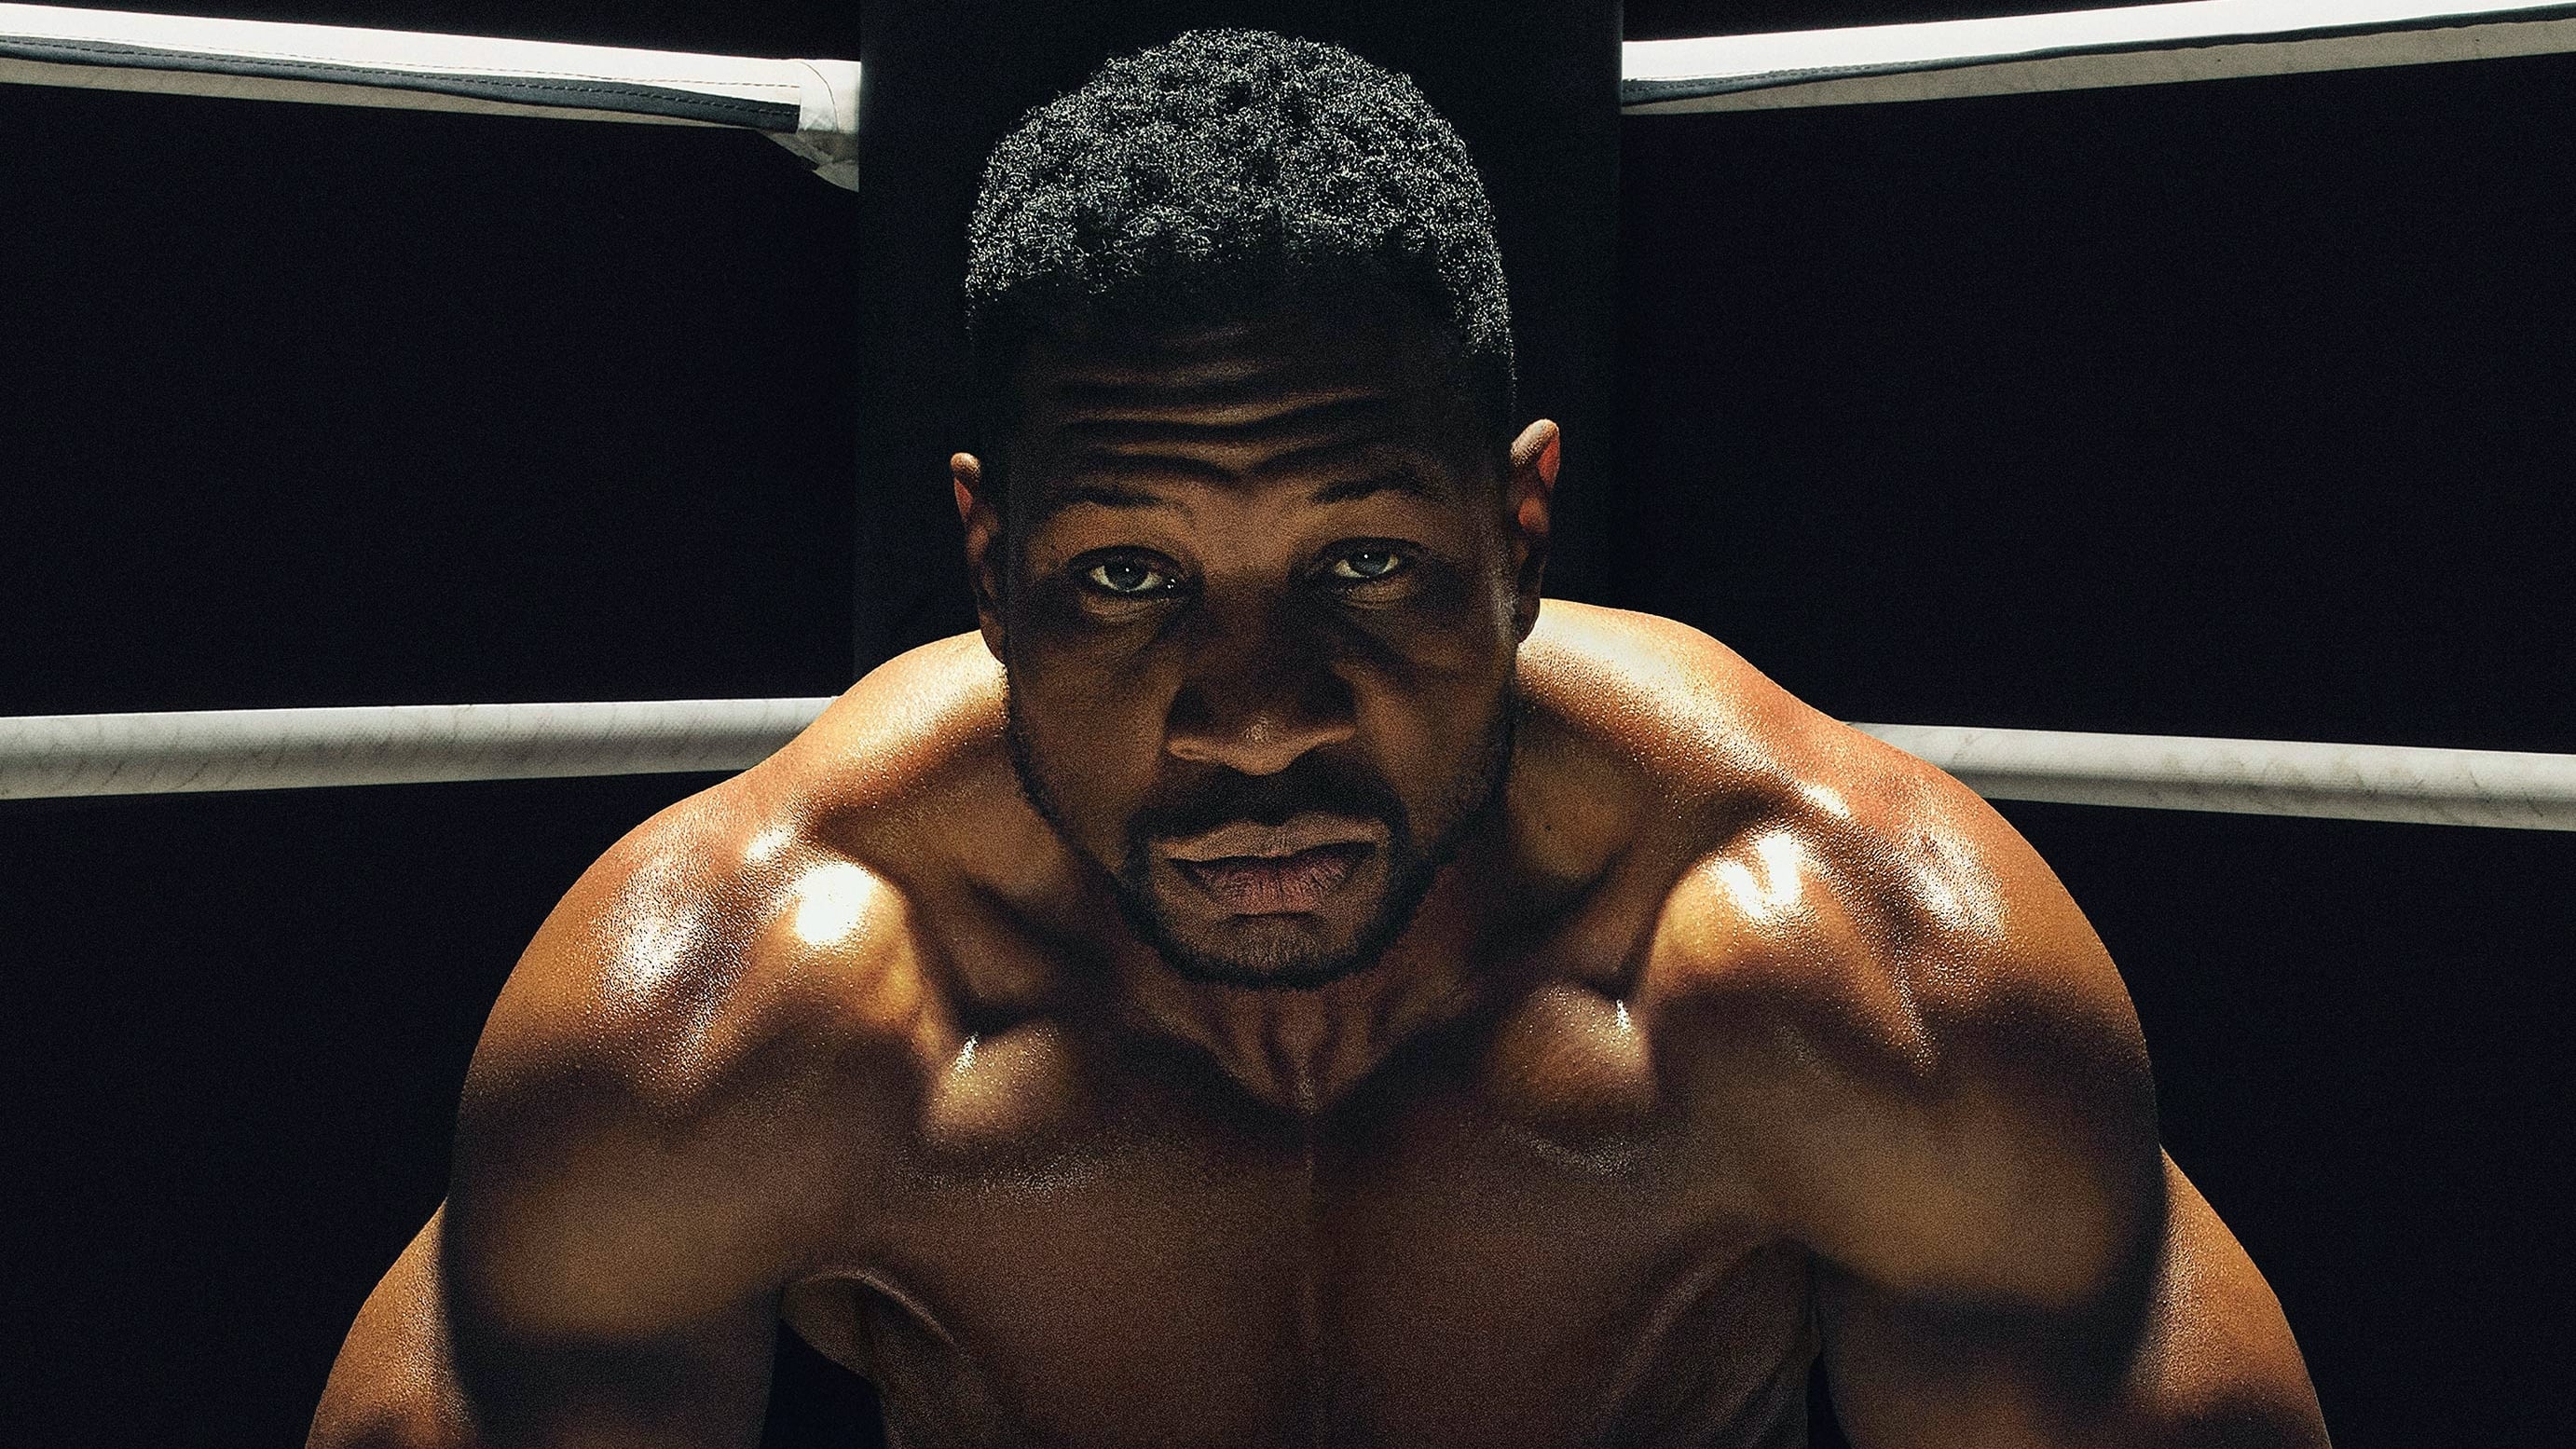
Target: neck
(1565,817)
(1302,1051)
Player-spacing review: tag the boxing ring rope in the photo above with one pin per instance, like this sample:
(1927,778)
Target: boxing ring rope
(2505,788)
(811,106)
(281,749)
(51,756)
(2077,50)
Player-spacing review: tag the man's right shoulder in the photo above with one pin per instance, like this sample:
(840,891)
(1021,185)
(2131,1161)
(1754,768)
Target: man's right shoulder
(767,920)
(721,1029)
(707,956)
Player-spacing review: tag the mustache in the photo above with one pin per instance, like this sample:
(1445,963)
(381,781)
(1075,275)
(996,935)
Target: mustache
(1312,783)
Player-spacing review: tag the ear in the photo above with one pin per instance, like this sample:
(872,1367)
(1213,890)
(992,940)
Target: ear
(1529,501)
(981,513)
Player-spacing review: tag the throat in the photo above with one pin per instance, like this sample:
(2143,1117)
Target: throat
(1296,1055)
(1302,1052)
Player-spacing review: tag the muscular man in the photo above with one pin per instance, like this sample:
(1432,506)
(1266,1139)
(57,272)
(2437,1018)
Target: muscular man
(1280,985)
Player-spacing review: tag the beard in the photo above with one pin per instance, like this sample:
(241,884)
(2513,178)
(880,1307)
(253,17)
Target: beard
(1270,954)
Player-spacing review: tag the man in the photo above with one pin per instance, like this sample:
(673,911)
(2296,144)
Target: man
(1278,984)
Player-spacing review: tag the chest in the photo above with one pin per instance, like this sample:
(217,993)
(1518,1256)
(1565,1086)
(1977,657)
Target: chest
(1505,1240)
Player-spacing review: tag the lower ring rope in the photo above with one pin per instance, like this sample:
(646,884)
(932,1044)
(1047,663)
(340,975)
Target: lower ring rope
(52,756)
(288,749)
(2504,788)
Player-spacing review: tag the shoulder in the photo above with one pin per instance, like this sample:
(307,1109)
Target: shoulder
(741,970)
(1923,1060)
(773,913)
(1809,866)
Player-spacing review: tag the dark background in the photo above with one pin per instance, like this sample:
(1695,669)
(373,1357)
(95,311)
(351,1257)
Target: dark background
(2237,408)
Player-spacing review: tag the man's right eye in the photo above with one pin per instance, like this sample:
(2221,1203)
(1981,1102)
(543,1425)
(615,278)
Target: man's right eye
(1128,578)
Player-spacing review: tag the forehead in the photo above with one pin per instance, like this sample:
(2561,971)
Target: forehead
(1289,389)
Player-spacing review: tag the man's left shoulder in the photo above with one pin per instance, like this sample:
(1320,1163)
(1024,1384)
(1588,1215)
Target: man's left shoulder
(1879,986)
(1864,897)
(1805,857)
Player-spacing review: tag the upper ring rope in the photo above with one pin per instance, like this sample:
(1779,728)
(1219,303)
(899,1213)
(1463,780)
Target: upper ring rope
(2079,50)
(811,106)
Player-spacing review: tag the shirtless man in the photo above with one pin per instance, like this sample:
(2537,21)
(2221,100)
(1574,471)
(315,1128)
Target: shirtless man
(1280,985)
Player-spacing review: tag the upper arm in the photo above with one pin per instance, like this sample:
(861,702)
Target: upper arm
(640,1165)
(1932,1078)
(2190,1348)
(425,1367)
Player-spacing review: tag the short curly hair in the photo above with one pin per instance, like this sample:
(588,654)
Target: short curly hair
(1219,170)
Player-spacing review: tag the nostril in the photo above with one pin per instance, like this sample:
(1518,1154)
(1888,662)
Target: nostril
(1252,744)
(1258,710)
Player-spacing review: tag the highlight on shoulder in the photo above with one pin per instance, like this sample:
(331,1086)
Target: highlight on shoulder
(1781,807)
(1847,929)
(740,921)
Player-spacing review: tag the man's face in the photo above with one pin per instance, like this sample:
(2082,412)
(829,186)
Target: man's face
(1259,601)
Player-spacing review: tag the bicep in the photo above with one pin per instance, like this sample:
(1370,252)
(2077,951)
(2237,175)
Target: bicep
(653,1138)
(394,1384)
(427,1366)
(2187,1347)
(607,1269)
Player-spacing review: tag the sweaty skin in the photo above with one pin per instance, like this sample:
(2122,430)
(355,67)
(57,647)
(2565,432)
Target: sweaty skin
(1723,1037)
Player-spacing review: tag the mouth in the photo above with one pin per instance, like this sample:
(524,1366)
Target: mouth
(1262,870)
(1270,885)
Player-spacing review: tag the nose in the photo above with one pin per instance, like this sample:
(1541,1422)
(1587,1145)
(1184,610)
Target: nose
(1257,698)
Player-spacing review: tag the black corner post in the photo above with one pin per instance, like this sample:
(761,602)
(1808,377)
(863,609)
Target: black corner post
(1533,86)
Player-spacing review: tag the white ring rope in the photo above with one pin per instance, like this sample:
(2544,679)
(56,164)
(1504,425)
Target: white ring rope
(2079,50)
(2252,777)
(280,749)
(809,106)
(288,749)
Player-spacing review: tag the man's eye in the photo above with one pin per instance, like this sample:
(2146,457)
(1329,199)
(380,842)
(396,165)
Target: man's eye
(1128,576)
(1362,565)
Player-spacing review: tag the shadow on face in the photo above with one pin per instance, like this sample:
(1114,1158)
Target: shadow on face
(1258,585)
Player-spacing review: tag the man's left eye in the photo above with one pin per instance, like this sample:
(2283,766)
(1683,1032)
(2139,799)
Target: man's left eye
(1128,578)
(1364,565)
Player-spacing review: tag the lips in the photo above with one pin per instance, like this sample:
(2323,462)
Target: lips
(1265,885)
(1302,831)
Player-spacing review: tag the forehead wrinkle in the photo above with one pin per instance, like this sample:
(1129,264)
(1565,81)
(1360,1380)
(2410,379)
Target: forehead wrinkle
(1236,359)
(1145,453)
(1116,478)
(1403,479)
(1250,414)
(1103,495)
(1105,488)
(1218,373)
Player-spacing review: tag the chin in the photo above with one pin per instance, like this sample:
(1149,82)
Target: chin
(1204,942)
(1264,953)
(1300,975)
